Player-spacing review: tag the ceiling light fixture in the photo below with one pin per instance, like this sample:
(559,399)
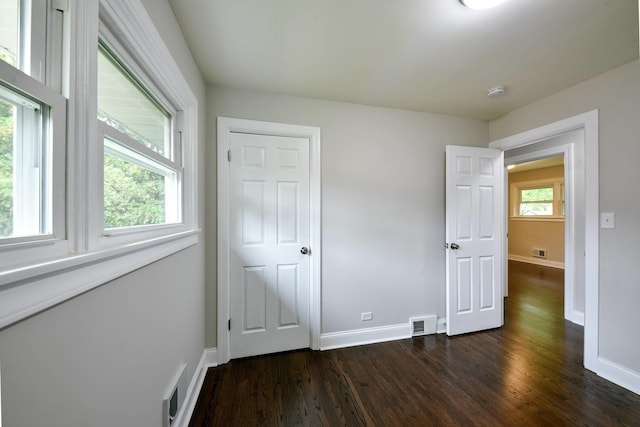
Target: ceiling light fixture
(481,4)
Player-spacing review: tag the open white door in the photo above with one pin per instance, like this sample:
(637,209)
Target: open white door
(474,236)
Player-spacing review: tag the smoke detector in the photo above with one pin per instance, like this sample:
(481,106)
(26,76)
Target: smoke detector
(496,91)
(481,4)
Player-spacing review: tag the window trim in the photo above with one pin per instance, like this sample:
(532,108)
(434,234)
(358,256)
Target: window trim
(153,69)
(514,199)
(27,290)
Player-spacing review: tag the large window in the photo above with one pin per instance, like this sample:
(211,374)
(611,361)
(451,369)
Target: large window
(32,130)
(141,175)
(98,149)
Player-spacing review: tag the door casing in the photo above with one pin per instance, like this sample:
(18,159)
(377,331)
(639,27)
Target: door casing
(588,122)
(227,126)
(572,246)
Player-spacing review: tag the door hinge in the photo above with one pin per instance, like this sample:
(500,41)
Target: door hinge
(61,5)
(228,155)
(229,324)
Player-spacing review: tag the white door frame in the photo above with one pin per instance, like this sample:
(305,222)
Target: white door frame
(589,123)
(570,251)
(227,126)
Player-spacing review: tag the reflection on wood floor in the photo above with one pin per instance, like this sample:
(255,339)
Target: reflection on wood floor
(527,373)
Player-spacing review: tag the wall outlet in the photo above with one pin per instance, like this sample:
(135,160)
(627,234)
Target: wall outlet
(366,316)
(607,220)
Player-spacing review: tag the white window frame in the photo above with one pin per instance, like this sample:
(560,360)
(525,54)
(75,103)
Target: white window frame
(15,250)
(119,236)
(515,189)
(173,93)
(90,257)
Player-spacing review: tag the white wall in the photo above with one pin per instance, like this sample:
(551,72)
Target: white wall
(617,96)
(106,357)
(382,202)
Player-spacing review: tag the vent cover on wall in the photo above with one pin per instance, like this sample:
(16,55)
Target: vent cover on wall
(539,253)
(423,325)
(174,396)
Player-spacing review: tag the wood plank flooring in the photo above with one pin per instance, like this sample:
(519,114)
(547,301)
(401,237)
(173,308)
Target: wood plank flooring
(527,373)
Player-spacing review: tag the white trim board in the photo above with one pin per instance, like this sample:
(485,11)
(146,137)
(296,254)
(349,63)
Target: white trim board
(64,279)
(356,337)
(227,126)
(333,340)
(619,375)
(589,123)
(537,261)
(208,359)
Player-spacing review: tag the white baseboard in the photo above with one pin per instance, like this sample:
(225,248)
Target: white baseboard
(441,326)
(619,375)
(364,336)
(208,359)
(576,317)
(537,261)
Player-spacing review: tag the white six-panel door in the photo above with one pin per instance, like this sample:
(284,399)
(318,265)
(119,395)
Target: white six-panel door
(269,225)
(474,238)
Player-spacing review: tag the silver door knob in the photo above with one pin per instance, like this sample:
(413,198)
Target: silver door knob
(455,246)
(304,250)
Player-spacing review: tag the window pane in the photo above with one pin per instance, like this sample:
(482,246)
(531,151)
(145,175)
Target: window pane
(537,195)
(22,172)
(6,168)
(9,31)
(135,193)
(126,106)
(533,209)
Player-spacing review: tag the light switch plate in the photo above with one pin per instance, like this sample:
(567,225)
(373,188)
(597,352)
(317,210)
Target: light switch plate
(607,220)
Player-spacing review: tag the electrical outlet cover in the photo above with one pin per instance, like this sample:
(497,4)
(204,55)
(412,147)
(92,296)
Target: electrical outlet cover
(607,220)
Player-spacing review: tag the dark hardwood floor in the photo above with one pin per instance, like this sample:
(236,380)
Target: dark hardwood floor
(527,373)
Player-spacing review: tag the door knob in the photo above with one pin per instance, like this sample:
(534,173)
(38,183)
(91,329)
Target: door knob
(304,250)
(455,246)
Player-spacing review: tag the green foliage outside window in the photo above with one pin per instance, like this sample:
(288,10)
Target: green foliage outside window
(6,160)
(537,195)
(536,201)
(132,195)
(6,169)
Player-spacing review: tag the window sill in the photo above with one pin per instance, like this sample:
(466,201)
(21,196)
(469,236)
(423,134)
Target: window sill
(26,291)
(537,218)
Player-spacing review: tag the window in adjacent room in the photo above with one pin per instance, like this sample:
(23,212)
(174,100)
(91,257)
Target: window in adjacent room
(538,198)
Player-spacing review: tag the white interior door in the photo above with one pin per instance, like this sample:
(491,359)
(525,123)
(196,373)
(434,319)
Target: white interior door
(474,236)
(269,226)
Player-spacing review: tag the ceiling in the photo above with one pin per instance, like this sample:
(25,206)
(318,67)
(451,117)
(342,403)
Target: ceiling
(423,55)
(537,164)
